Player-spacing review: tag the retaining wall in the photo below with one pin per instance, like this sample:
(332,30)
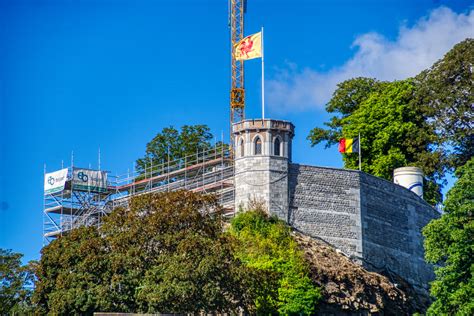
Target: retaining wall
(375,221)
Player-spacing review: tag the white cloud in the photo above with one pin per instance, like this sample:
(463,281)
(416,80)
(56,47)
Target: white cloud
(416,48)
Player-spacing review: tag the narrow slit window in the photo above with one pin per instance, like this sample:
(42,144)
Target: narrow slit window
(242,148)
(258,146)
(276,147)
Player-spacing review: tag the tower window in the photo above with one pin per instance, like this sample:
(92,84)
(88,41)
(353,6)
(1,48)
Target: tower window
(258,146)
(276,147)
(241,148)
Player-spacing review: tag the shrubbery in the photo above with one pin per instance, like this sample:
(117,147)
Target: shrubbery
(265,243)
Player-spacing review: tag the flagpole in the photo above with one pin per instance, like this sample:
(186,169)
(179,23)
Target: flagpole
(263,81)
(360,157)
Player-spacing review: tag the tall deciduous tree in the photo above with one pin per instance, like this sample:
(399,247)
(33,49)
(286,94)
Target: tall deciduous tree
(446,94)
(16,282)
(449,244)
(72,275)
(171,253)
(394,133)
(173,145)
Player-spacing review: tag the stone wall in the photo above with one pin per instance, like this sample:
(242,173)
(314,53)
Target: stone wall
(375,221)
(325,203)
(392,219)
(279,187)
(263,179)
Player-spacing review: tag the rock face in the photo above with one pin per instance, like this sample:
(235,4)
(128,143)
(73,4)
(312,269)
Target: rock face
(349,289)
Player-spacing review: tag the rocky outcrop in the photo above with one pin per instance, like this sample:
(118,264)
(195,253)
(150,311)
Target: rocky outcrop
(349,289)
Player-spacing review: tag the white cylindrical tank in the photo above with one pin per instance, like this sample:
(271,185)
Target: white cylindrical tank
(410,178)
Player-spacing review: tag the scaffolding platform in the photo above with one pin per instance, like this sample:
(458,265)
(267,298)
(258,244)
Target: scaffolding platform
(209,172)
(61,209)
(53,234)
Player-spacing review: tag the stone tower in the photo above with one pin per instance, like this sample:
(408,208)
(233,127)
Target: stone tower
(262,157)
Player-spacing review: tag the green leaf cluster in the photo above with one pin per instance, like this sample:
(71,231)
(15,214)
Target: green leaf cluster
(449,244)
(166,254)
(16,282)
(394,132)
(72,274)
(171,144)
(446,94)
(265,243)
(425,121)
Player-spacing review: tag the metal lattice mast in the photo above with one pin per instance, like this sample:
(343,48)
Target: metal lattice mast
(237,91)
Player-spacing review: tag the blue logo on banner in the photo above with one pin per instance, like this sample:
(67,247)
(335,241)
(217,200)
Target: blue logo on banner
(82,176)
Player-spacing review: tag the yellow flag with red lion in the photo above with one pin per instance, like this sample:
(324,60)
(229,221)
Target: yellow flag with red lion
(249,47)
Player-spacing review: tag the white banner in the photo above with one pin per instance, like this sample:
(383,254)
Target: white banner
(55,181)
(89,180)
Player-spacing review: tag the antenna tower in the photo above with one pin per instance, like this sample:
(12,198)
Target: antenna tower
(237,91)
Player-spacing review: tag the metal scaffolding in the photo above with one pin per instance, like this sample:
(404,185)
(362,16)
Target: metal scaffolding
(207,171)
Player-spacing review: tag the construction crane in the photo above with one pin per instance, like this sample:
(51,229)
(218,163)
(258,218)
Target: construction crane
(237,9)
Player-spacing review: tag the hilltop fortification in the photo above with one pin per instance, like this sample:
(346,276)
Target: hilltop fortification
(375,222)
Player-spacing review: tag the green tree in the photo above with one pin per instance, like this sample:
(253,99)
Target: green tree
(16,283)
(173,145)
(449,244)
(394,133)
(171,252)
(446,94)
(265,243)
(72,275)
(166,253)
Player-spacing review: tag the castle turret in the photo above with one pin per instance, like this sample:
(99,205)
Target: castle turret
(262,155)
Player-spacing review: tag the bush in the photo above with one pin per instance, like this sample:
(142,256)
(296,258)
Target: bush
(265,243)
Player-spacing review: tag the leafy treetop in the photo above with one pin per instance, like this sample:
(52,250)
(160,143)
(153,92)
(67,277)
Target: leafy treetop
(16,281)
(171,144)
(446,95)
(449,244)
(394,133)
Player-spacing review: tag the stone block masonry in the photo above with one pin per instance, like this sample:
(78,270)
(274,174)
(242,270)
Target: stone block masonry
(375,221)
(393,218)
(263,151)
(263,179)
(325,203)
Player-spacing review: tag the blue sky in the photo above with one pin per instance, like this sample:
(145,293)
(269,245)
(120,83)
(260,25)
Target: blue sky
(79,75)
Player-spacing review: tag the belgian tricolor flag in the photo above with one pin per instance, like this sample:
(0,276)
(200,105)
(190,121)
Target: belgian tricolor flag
(349,145)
